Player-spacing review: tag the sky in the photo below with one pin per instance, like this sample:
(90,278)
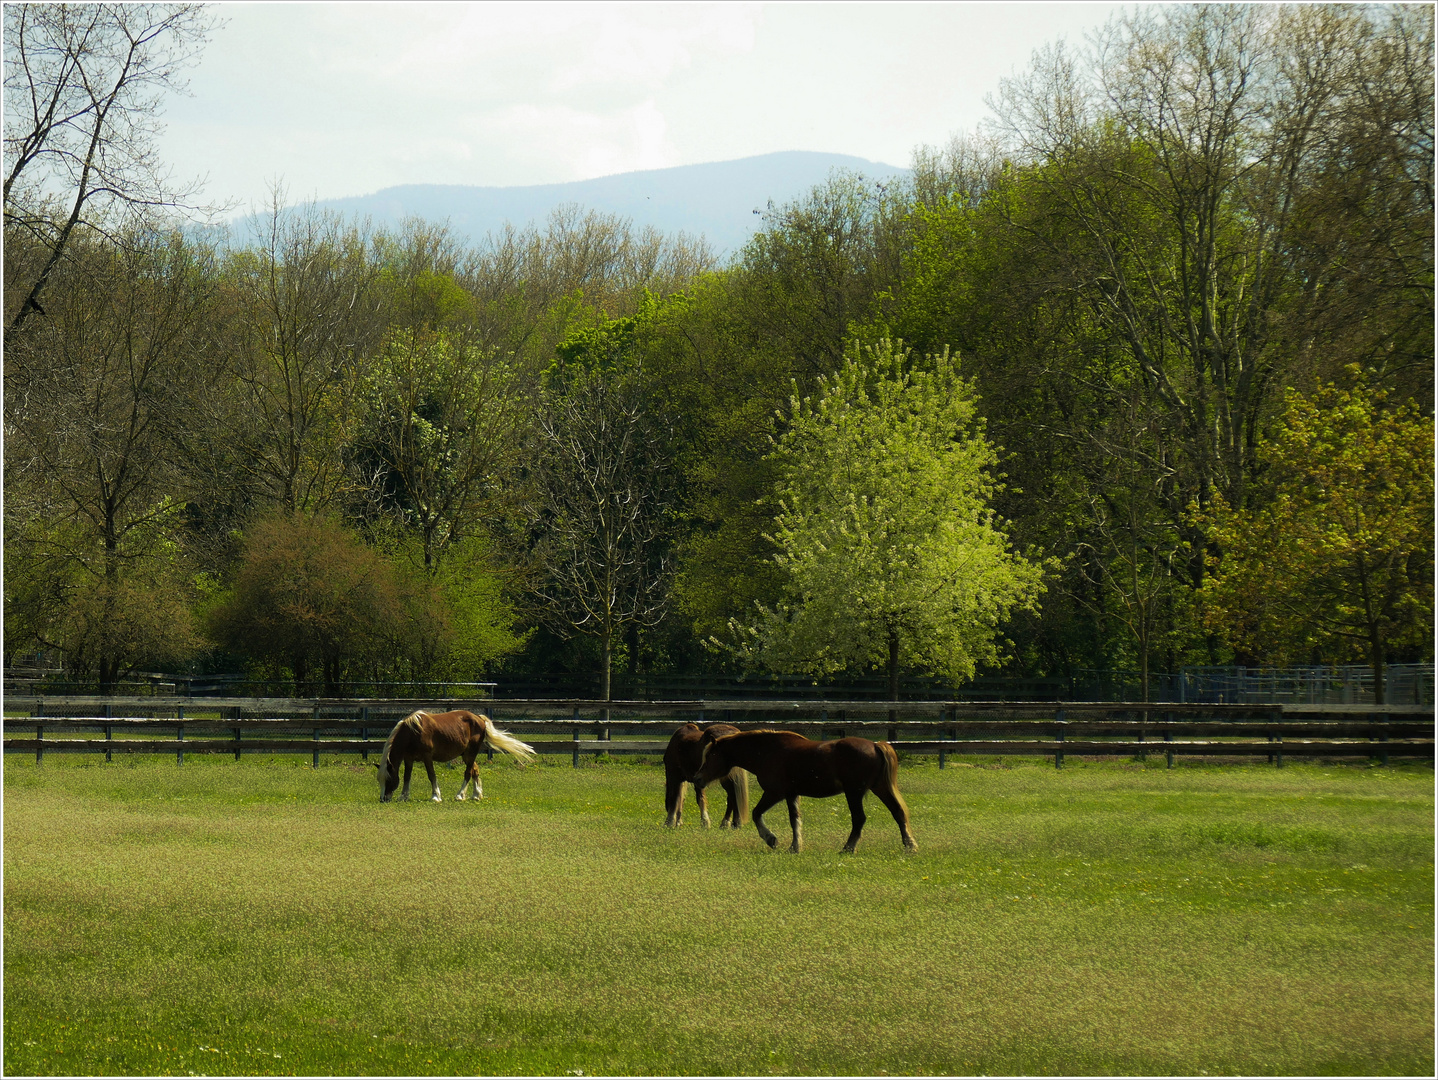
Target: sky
(341,99)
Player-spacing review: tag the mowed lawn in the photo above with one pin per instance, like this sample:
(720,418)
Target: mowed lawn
(1115,917)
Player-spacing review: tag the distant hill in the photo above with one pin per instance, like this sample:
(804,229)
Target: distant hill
(717,199)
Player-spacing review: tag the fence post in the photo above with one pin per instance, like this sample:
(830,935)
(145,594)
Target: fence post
(576,738)
(1168,737)
(180,742)
(1383,737)
(364,732)
(237,743)
(315,761)
(1059,738)
(107,734)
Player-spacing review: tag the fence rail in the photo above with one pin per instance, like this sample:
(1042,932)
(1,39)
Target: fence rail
(589,727)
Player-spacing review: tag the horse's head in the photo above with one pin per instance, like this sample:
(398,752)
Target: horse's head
(712,761)
(388,777)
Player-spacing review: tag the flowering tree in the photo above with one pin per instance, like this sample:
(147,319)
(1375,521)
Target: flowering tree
(891,553)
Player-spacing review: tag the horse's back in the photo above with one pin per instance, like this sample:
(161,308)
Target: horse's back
(791,762)
(444,736)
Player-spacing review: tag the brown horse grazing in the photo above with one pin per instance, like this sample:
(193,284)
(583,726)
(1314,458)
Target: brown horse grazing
(788,765)
(431,737)
(681,762)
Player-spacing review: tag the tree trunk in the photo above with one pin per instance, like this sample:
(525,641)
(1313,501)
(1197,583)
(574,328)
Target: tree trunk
(1375,652)
(608,661)
(109,674)
(893,672)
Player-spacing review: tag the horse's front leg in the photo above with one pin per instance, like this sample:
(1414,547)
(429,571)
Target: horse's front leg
(856,816)
(433,782)
(408,769)
(730,820)
(766,800)
(794,822)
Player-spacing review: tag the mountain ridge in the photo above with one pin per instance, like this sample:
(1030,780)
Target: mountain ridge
(715,199)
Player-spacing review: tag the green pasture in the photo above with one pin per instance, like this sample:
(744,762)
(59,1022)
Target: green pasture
(1114,917)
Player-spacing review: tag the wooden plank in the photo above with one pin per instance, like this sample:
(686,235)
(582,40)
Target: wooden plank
(778,707)
(981,748)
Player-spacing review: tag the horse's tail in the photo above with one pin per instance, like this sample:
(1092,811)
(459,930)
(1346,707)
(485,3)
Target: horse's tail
(522,752)
(890,777)
(741,795)
(889,763)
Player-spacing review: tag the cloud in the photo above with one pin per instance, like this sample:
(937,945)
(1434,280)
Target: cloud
(345,99)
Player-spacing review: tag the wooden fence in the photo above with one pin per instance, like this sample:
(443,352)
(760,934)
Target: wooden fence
(579,728)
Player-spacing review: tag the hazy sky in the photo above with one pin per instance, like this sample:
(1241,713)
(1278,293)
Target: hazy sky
(345,99)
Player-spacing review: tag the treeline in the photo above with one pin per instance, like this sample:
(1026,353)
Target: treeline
(1185,283)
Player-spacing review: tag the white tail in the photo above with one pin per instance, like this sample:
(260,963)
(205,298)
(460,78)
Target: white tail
(522,752)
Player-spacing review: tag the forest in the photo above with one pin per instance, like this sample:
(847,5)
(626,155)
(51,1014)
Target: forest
(1138,375)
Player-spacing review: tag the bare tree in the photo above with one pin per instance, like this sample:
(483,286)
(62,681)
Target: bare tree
(601,505)
(83,85)
(306,314)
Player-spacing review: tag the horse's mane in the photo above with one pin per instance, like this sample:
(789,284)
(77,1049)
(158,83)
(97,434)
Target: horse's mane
(410,721)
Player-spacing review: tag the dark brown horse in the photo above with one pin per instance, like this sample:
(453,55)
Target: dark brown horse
(788,765)
(431,737)
(681,762)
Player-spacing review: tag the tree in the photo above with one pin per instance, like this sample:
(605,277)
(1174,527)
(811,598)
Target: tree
(602,497)
(308,592)
(890,551)
(304,315)
(441,430)
(83,85)
(1340,560)
(92,484)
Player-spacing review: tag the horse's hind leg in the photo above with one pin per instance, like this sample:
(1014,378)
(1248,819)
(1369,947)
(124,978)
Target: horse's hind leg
(703,805)
(794,822)
(765,801)
(673,797)
(856,816)
(890,797)
(471,775)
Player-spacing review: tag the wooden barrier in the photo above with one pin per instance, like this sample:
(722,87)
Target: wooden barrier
(983,728)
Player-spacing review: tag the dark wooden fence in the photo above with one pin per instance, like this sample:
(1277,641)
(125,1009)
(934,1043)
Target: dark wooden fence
(577,728)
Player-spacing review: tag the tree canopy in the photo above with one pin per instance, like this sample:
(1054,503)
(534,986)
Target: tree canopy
(887,540)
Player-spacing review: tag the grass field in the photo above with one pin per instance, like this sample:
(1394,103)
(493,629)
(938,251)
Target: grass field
(264,917)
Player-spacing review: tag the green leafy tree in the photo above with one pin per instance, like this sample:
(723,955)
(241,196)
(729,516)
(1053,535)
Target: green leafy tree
(442,427)
(1339,562)
(891,552)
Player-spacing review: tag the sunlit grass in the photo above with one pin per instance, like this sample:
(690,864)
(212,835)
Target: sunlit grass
(264,917)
